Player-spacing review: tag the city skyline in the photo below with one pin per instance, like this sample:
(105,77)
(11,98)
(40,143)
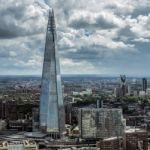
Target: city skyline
(103,38)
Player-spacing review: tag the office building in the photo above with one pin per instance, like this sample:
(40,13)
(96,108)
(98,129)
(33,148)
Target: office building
(35,119)
(52,118)
(100,123)
(142,93)
(144,84)
(118,92)
(123,85)
(148,91)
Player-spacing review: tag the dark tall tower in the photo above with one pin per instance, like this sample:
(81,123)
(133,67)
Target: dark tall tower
(52,119)
(123,84)
(144,84)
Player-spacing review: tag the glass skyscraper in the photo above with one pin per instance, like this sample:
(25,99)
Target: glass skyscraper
(144,84)
(52,118)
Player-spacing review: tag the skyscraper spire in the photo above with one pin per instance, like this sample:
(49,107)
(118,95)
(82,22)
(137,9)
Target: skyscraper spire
(52,118)
(51,22)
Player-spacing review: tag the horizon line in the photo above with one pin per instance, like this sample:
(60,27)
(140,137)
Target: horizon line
(63,75)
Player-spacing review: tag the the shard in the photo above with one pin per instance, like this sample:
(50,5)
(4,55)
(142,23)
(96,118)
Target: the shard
(52,119)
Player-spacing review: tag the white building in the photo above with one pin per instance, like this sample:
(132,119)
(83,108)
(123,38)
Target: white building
(142,93)
(18,145)
(148,91)
(86,92)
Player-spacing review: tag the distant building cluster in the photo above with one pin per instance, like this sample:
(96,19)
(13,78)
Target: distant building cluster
(133,89)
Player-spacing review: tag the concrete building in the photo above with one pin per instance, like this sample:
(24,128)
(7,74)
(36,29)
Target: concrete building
(148,92)
(142,93)
(82,93)
(135,139)
(129,90)
(100,123)
(3,125)
(18,145)
(112,143)
(86,92)
(135,93)
(20,125)
(52,119)
(35,119)
(118,92)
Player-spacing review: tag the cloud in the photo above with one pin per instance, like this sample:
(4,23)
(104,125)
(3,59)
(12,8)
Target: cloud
(22,18)
(93,36)
(142,40)
(87,19)
(141,28)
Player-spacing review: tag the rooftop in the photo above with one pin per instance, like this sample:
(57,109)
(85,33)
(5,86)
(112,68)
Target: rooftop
(132,130)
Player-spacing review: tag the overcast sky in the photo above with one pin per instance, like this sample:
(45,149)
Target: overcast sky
(109,37)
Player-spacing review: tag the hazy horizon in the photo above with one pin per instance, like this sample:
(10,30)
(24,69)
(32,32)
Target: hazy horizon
(77,75)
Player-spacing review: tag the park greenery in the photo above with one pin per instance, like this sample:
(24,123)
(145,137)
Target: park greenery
(106,97)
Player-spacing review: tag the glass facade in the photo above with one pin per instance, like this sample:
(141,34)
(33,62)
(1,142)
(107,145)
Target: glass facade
(51,102)
(101,123)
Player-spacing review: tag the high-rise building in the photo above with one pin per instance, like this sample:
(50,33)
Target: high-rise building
(52,119)
(100,123)
(118,92)
(123,85)
(35,119)
(144,84)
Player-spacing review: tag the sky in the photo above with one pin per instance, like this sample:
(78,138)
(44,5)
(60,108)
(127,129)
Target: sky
(93,37)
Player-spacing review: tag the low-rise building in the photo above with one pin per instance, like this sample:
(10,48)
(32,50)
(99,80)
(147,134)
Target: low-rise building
(135,139)
(18,145)
(113,143)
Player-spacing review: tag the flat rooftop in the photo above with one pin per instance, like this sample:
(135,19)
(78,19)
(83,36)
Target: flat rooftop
(132,130)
